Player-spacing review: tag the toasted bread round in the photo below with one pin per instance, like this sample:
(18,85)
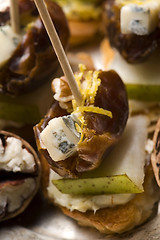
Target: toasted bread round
(121,218)
(116,219)
(83,31)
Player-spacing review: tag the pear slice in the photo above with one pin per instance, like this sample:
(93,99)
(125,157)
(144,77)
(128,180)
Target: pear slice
(68,2)
(142,80)
(143,92)
(96,186)
(22,113)
(27,108)
(121,172)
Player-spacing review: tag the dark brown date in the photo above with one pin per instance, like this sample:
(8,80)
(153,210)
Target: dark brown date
(34,60)
(100,132)
(132,47)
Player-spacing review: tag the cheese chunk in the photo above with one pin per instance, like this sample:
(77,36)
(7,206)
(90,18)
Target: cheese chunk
(8,43)
(139,19)
(60,137)
(4,5)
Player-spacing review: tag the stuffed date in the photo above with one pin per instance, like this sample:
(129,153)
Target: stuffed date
(31,60)
(132,28)
(81,135)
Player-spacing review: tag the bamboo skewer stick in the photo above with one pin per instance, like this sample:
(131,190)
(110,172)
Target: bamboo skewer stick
(14,14)
(58,49)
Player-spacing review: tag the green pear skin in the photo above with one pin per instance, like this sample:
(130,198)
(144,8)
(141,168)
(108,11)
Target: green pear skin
(96,186)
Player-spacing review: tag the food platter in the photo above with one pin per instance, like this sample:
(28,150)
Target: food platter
(43,221)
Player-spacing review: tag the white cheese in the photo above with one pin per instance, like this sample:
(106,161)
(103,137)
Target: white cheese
(139,19)
(84,203)
(8,43)
(60,137)
(13,157)
(149,146)
(4,5)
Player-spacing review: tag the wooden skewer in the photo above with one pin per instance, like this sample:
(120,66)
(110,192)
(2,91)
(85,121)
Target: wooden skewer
(58,49)
(14,14)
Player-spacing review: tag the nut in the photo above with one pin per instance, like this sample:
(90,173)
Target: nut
(19,175)
(155,157)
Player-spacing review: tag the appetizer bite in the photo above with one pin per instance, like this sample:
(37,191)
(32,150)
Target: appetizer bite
(20,175)
(132,48)
(91,129)
(84,18)
(27,63)
(133,27)
(94,173)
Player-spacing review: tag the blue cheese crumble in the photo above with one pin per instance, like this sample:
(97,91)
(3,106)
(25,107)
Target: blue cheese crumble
(8,43)
(60,137)
(139,19)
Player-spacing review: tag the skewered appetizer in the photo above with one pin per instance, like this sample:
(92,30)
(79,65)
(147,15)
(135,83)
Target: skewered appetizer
(96,175)
(99,119)
(133,47)
(133,27)
(27,62)
(84,18)
(20,175)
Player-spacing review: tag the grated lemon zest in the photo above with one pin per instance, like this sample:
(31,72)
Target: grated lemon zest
(79,129)
(137,2)
(88,83)
(94,110)
(89,87)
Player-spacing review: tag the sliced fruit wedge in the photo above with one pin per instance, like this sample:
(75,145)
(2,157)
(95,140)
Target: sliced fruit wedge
(21,113)
(26,109)
(102,185)
(143,92)
(121,172)
(142,80)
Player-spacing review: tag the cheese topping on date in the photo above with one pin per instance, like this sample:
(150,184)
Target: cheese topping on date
(4,5)
(60,137)
(139,17)
(8,43)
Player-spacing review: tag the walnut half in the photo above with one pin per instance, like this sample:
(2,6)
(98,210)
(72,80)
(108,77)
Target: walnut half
(155,157)
(19,175)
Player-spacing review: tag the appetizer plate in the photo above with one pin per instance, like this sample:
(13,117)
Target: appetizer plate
(43,221)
